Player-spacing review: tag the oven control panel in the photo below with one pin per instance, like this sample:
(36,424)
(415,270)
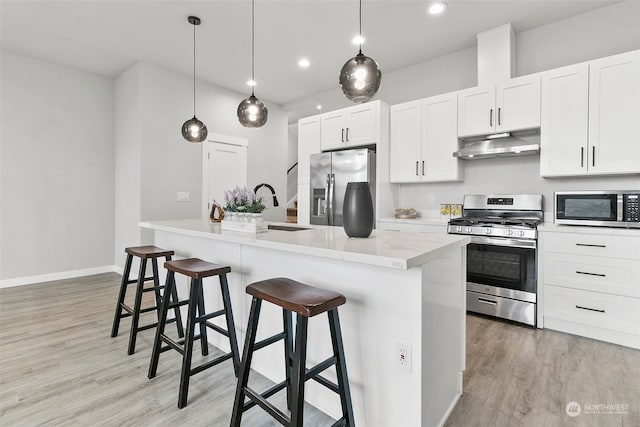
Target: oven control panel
(631,205)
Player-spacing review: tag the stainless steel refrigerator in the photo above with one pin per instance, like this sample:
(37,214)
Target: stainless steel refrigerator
(330,173)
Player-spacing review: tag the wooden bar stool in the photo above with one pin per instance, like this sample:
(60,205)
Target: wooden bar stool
(306,301)
(123,310)
(197,270)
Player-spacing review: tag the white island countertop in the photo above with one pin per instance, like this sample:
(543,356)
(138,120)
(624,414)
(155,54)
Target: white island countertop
(383,248)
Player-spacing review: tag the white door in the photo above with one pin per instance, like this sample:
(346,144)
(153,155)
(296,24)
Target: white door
(614,114)
(440,139)
(226,167)
(476,111)
(362,124)
(564,121)
(518,104)
(405,142)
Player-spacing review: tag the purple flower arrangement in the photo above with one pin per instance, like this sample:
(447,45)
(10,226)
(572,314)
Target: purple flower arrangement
(241,199)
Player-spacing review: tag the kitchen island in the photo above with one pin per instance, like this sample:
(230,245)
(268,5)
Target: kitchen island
(405,294)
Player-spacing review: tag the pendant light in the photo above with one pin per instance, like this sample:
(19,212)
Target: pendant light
(193,130)
(360,76)
(252,112)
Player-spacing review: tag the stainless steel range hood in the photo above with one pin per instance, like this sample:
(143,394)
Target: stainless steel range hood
(507,144)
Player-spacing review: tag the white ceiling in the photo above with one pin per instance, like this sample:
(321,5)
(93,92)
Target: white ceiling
(107,37)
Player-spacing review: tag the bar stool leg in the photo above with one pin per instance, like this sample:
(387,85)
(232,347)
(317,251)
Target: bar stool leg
(156,285)
(228,313)
(135,318)
(247,355)
(299,371)
(288,351)
(194,297)
(121,296)
(176,309)
(202,326)
(157,343)
(341,367)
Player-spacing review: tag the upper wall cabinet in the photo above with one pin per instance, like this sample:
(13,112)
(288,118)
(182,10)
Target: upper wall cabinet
(350,127)
(423,136)
(308,144)
(590,117)
(507,106)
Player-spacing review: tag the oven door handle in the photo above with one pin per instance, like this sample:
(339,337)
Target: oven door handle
(511,243)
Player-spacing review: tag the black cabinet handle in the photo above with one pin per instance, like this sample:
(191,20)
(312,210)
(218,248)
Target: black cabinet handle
(581,157)
(491,117)
(347,133)
(342,135)
(423,167)
(417,169)
(499,116)
(590,245)
(589,309)
(591,274)
(593,156)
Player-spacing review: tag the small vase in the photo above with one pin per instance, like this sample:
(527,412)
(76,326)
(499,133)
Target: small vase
(358,210)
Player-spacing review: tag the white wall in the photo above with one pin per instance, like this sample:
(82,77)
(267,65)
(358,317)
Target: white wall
(57,176)
(602,32)
(167,163)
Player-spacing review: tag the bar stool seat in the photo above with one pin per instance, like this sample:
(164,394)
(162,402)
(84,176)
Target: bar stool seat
(306,301)
(123,310)
(197,270)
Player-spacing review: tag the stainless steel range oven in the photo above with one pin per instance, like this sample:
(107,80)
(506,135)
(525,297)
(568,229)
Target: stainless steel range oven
(502,255)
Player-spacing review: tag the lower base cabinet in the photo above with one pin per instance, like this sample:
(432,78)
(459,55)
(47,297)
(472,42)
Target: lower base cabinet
(591,284)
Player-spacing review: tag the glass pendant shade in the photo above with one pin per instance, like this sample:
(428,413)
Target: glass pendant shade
(252,112)
(193,130)
(360,78)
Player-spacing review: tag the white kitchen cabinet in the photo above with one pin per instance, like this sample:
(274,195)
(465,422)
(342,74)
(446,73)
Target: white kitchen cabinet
(423,139)
(591,284)
(350,127)
(416,226)
(304,204)
(589,122)
(614,114)
(308,144)
(507,106)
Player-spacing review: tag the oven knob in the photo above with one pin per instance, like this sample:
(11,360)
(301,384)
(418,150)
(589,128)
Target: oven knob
(459,229)
(487,231)
(469,229)
(509,232)
(520,233)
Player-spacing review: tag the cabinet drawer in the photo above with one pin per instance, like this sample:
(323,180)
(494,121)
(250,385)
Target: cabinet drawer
(593,244)
(394,226)
(608,275)
(595,309)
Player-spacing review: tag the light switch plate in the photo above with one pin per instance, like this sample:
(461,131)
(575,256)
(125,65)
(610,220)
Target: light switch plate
(183,196)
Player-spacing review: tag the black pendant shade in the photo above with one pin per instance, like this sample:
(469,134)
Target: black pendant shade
(360,76)
(193,130)
(252,113)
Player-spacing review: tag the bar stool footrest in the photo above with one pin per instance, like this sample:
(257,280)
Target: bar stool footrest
(259,400)
(210,363)
(268,341)
(342,422)
(218,329)
(146,279)
(209,316)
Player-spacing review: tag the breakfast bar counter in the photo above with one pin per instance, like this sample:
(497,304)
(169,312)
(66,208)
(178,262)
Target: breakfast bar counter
(405,295)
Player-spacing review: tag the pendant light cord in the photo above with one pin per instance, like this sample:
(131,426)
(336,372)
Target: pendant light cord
(360,13)
(194,69)
(253,42)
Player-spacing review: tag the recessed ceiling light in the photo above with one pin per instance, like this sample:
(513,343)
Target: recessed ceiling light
(304,63)
(318,107)
(437,8)
(251,82)
(358,39)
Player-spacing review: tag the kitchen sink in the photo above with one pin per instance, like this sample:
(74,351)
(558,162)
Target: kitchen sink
(285,227)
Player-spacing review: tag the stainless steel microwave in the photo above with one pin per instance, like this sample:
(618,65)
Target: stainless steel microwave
(598,208)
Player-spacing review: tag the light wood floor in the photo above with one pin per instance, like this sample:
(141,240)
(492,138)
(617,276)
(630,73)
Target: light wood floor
(59,366)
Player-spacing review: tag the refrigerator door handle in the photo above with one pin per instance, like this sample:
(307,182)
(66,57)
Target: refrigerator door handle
(331,181)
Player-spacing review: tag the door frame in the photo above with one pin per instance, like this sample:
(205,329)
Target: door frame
(219,139)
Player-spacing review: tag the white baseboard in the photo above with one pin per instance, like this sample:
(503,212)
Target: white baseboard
(19,281)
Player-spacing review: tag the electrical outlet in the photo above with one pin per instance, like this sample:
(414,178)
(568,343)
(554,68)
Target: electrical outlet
(432,198)
(183,196)
(403,357)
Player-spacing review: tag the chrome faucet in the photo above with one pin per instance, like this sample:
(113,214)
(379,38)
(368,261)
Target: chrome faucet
(275,199)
